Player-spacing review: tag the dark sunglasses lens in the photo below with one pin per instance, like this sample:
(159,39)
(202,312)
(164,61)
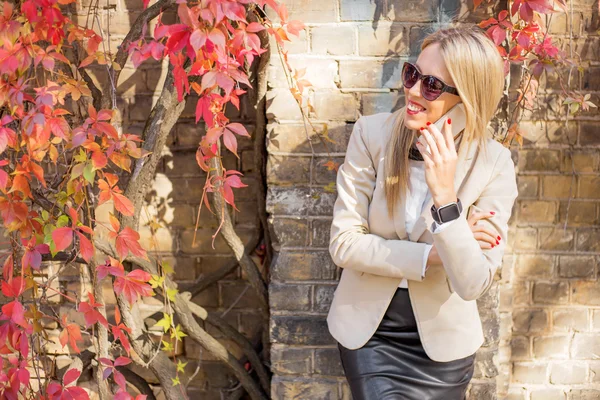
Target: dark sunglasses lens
(432,88)
(410,76)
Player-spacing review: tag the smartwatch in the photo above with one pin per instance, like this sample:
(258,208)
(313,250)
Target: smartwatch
(447,212)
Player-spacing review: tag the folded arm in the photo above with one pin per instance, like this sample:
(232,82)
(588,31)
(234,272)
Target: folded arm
(351,245)
(470,268)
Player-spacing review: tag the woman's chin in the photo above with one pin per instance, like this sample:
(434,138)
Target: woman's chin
(412,124)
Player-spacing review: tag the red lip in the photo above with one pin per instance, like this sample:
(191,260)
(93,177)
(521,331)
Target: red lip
(417,104)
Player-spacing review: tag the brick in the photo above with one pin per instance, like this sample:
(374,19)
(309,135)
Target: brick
(521,293)
(204,244)
(529,373)
(558,133)
(536,211)
(374,103)
(334,105)
(132,81)
(532,131)
(596,320)
(308,11)
(300,201)
(576,266)
(558,186)
(525,239)
(303,388)
(291,360)
(287,232)
(289,297)
(551,347)
(288,170)
(412,11)
(417,34)
(282,105)
(584,292)
(189,134)
(370,74)
(519,346)
(319,232)
(321,172)
(358,10)
(333,39)
(304,330)
(556,238)
(530,320)
(323,298)
(551,292)
(547,394)
(484,364)
(527,185)
(534,265)
(594,371)
(163,239)
(328,362)
(589,187)
(588,135)
(539,160)
(482,391)
(297,45)
(516,393)
(584,394)
(231,292)
(580,161)
(588,240)
(322,73)
(570,319)
(387,39)
(297,266)
(585,346)
(292,138)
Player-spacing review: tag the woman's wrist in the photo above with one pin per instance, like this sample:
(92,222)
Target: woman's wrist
(433,257)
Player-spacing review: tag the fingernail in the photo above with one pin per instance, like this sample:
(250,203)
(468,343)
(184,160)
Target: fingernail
(499,238)
(449,121)
(492,212)
(497,242)
(429,123)
(492,246)
(422,128)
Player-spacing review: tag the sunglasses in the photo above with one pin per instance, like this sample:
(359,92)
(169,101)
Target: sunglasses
(432,87)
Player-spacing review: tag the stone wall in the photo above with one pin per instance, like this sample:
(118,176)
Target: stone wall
(541,317)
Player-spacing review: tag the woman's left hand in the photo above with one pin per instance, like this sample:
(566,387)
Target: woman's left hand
(440,162)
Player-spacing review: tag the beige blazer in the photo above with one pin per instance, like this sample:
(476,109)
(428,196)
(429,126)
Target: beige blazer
(375,252)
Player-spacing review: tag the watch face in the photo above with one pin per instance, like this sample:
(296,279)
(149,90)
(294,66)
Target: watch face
(449,213)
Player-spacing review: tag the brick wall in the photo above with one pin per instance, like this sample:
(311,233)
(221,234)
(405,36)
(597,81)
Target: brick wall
(539,318)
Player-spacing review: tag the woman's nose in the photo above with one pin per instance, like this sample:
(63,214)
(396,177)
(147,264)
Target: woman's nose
(415,91)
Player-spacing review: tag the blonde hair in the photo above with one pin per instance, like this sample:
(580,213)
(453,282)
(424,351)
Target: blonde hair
(477,70)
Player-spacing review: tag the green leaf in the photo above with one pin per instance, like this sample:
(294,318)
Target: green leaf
(167,268)
(175,381)
(167,346)
(62,221)
(89,174)
(156,281)
(165,322)
(181,366)
(177,333)
(171,294)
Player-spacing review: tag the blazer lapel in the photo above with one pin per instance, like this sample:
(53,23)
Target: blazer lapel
(465,157)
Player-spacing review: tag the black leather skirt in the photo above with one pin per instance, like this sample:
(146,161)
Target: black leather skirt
(393,365)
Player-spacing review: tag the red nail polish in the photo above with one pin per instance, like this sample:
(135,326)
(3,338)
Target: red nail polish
(449,121)
(429,123)
(492,212)
(492,246)
(497,242)
(422,128)
(499,238)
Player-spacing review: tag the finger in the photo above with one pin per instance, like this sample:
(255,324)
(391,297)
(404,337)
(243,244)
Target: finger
(484,245)
(439,139)
(433,148)
(486,235)
(427,157)
(448,135)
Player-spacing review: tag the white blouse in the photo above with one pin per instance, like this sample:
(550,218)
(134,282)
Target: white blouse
(418,195)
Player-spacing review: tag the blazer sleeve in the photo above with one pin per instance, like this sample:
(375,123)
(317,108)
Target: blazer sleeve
(351,244)
(469,268)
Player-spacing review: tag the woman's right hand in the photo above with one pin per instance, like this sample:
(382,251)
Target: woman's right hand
(486,237)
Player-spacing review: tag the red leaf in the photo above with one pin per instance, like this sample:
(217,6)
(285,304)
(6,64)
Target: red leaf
(86,248)
(128,240)
(133,285)
(71,334)
(71,376)
(90,314)
(123,204)
(63,237)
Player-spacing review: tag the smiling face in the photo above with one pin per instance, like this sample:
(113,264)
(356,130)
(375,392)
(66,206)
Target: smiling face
(419,111)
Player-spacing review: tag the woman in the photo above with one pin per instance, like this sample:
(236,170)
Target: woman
(420,225)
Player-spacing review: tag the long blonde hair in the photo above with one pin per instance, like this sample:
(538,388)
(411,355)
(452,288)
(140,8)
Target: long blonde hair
(477,70)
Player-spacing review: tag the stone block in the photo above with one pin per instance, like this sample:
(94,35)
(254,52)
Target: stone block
(539,160)
(333,39)
(527,185)
(536,211)
(585,292)
(537,265)
(551,292)
(303,388)
(386,39)
(308,11)
(288,170)
(584,394)
(589,187)
(568,373)
(556,238)
(374,103)
(306,265)
(520,348)
(289,361)
(530,320)
(323,297)
(322,73)
(289,232)
(319,232)
(327,362)
(530,373)
(412,10)
(323,174)
(334,105)
(370,74)
(284,297)
(551,347)
(358,10)
(588,240)
(291,138)
(585,346)
(558,186)
(570,319)
(588,135)
(300,330)
(300,201)
(547,394)
(525,239)
(576,266)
